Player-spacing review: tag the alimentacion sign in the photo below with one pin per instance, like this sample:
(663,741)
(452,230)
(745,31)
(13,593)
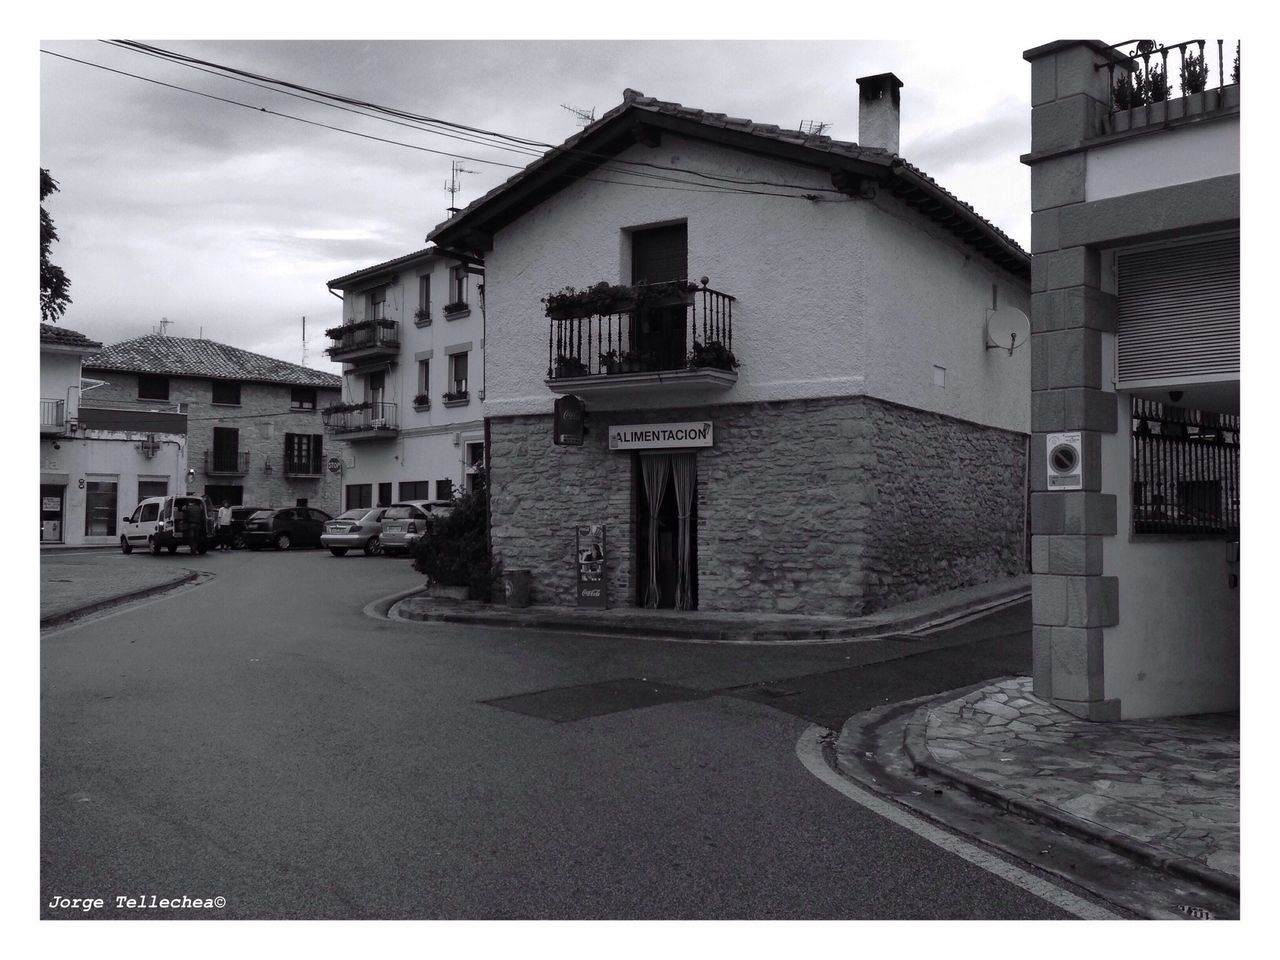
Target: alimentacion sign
(660,436)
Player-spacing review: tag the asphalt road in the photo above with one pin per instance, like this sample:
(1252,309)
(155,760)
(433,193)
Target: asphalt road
(258,738)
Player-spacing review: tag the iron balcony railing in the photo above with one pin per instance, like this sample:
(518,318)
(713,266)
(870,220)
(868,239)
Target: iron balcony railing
(235,462)
(360,417)
(310,466)
(691,329)
(1200,68)
(1186,471)
(53,415)
(364,335)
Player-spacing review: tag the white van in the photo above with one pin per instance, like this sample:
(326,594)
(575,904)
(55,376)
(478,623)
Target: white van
(161,523)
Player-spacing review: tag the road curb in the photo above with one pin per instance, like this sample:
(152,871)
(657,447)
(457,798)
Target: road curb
(917,751)
(499,616)
(57,619)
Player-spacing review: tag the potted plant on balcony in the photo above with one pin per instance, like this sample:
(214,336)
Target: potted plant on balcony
(422,401)
(451,396)
(570,367)
(712,354)
(422,316)
(624,361)
(458,306)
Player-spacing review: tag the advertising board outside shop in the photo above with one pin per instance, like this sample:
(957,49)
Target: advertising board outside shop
(660,436)
(592,588)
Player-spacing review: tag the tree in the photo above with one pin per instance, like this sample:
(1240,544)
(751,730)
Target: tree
(54,284)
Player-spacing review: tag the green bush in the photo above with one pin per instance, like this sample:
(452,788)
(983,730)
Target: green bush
(454,551)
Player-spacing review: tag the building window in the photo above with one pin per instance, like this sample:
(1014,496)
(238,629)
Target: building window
(415,489)
(424,297)
(444,489)
(378,303)
(375,391)
(152,488)
(359,495)
(152,387)
(226,392)
(302,398)
(458,285)
(100,507)
(475,464)
(458,374)
(424,378)
(1185,471)
(303,453)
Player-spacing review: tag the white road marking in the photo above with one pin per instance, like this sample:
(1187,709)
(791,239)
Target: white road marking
(809,750)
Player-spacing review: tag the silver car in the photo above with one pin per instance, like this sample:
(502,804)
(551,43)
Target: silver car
(405,522)
(357,529)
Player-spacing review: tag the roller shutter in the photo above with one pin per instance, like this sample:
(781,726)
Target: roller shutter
(1179,313)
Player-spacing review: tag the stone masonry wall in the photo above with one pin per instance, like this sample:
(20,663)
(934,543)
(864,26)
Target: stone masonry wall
(263,417)
(823,506)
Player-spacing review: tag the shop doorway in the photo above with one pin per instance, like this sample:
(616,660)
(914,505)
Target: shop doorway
(665,487)
(52,497)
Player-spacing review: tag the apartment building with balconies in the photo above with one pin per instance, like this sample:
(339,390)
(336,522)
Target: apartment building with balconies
(769,355)
(253,424)
(1135,378)
(411,342)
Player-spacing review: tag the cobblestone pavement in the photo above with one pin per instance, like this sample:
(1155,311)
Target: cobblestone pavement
(1173,784)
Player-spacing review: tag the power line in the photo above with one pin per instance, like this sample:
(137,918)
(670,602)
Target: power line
(523,144)
(412,146)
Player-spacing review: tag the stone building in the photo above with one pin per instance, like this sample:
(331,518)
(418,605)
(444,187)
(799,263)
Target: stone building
(777,343)
(253,423)
(412,345)
(1135,378)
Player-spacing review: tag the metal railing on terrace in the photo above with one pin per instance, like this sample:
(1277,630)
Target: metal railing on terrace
(363,335)
(1186,471)
(358,417)
(682,325)
(1201,70)
(226,462)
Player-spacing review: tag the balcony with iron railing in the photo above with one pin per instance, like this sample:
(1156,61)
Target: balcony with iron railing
(369,420)
(228,463)
(53,417)
(1141,89)
(642,339)
(365,340)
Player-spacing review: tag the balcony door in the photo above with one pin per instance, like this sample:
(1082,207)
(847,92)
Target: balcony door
(226,449)
(659,255)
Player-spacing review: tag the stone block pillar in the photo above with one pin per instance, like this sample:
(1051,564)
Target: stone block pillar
(1072,601)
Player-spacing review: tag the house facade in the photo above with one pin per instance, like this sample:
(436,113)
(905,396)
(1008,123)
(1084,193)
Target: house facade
(1135,348)
(412,343)
(776,343)
(254,431)
(96,458)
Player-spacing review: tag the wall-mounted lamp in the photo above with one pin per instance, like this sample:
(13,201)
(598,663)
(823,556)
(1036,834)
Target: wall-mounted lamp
(266,464)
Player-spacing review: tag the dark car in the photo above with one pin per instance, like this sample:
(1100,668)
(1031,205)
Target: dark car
(239,517)
(284,528)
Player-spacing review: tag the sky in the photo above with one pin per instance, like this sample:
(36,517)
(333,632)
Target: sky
(228,221)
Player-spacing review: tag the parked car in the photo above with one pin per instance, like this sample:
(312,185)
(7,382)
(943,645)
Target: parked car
(161,523)
(285,528)
(405,522)
(357,529)
(239,517)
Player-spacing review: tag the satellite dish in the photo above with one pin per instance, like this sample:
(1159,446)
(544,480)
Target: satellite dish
(1007,329)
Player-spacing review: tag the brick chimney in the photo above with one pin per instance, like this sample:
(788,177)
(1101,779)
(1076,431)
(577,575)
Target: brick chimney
(879,110)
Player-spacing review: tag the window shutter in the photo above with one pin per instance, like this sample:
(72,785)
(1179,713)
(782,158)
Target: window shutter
(1179,313)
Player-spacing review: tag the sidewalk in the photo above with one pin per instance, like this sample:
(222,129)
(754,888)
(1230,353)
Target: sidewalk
(1163,792)
(72,586)
(724,627)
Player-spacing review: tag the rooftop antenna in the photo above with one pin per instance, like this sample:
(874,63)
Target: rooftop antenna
(304,341)
(453,186)
(585,117)
(813,128)
(164,326)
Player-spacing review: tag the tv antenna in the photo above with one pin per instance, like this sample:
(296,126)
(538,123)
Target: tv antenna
(453,186)
(304,341)
(813,128)
(164,326)
(585,117)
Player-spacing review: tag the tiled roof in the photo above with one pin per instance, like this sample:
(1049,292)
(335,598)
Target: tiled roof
(185,357)
(365,272)
(915,180)
(62,337)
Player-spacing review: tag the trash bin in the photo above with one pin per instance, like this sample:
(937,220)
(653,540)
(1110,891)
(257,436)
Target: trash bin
(515,584)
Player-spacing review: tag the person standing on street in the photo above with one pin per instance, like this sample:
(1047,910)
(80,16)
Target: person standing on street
(223,533)
(193,514)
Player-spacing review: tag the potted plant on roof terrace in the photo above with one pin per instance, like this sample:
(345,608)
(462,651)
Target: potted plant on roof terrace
(713,354)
